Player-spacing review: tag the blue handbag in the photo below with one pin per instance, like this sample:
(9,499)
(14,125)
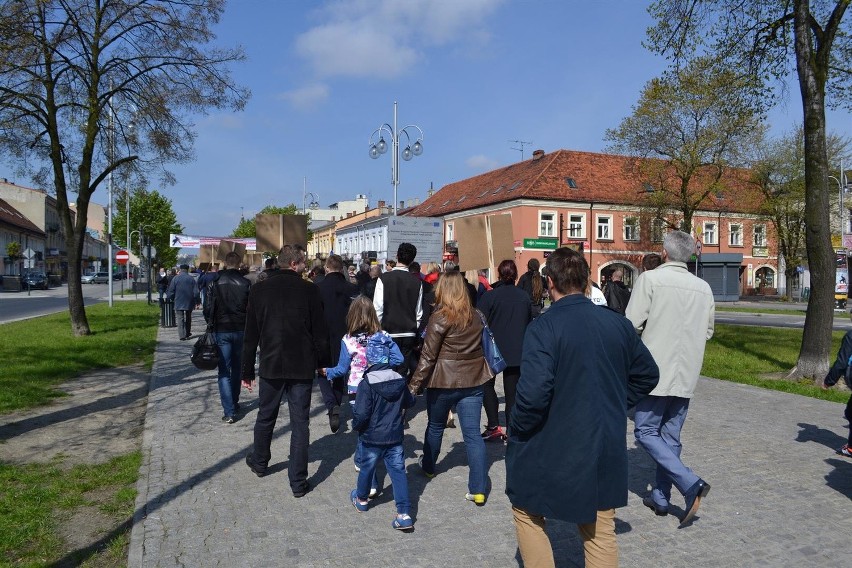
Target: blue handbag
(489,348)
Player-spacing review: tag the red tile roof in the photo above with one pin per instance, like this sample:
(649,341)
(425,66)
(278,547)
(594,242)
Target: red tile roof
(11,216)
(596,178)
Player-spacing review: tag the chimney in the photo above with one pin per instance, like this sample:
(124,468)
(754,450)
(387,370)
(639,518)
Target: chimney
(348,215)
(538,154)
(431,191)
(381,203)
(402,204)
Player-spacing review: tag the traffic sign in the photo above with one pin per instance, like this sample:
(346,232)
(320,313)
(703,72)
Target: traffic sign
(122,257)
(29,253)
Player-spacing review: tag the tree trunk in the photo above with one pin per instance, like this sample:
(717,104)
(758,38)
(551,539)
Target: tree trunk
(79,321)
(816,336)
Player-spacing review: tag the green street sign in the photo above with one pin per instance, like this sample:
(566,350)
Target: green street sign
(540,243)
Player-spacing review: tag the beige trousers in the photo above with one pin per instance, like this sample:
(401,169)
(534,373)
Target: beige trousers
(599,545)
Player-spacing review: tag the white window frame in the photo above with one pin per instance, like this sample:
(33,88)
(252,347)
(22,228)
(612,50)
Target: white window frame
(738,233)
(634,228)
(658,227)
(708,236)
(577,225)
(451,230)
(547,227)
(603,227)
(762,234)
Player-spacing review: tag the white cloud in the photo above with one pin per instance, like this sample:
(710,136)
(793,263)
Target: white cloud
(306,97)
(386,38)
(481,163)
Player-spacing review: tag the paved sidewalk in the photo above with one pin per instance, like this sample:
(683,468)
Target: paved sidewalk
(780,497)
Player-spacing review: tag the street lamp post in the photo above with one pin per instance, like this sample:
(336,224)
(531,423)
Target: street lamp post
(380,147)
(841,187)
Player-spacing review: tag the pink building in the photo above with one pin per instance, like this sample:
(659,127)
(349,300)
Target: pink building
(603,205)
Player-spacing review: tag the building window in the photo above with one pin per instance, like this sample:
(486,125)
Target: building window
(450,232)
(631,228)
(546,224)
(760,235)
(577,226)
(604,227)
(710,235)
(657,230)
(735,235)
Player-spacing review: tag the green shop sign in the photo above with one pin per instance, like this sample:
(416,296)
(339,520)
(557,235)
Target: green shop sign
(540,243)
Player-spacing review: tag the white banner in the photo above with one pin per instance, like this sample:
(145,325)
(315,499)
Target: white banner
(190,241)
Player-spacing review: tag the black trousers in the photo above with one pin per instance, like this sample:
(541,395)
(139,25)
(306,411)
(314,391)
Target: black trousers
(332,391)
(490,402)
(269,395)
(848,414)
(184,322)
(409,358)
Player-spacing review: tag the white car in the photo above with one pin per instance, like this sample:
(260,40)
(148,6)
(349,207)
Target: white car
(87,278)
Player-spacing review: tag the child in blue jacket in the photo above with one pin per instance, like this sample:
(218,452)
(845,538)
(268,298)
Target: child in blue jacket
(841,369)
(378,418)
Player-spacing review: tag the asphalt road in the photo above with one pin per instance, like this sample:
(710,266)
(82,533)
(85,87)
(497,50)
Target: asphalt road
(776,320)
(16,306)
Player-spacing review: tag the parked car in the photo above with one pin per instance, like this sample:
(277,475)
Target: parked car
(87,278)
(36,280)
(100,278)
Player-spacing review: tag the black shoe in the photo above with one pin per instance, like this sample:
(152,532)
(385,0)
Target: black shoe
(303,491)
(258,471)
(693,499)
(334,418)
(190,336)
(659,511)
(228,419)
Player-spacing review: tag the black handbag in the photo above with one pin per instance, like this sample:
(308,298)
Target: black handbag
(205,353)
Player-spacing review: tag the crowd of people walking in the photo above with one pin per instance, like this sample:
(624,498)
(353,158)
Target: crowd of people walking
(577,358)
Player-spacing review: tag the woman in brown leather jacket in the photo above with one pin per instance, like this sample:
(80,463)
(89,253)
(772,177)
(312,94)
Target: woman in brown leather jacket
(452,368)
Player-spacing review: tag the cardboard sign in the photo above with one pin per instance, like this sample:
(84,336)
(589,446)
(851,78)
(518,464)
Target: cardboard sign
(226,247)
(274,231)
(484,242)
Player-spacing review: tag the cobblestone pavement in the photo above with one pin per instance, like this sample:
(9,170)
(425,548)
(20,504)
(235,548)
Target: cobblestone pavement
(780,495)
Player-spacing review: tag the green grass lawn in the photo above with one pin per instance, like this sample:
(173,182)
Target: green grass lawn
(37,501)
(41,353)
(36,498)
(743,354)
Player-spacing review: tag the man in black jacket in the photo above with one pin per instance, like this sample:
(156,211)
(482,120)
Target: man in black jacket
(337,294)
(285,320)
(616,293)
(398,300)
(225,303)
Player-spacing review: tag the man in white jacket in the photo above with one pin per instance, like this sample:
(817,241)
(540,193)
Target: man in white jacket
(673,311)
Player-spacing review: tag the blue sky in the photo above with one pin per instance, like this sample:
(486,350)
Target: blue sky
(473,74)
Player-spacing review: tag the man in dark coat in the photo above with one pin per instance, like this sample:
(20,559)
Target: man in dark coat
(616,293)
(225,304)
(337,294)
(398,300)
(285,320)
(183,291)
(582,368)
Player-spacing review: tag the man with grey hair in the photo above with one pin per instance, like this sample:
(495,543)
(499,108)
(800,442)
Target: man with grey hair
(673,311)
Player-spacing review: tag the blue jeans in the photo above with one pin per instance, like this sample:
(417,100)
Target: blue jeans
(658,422)
(468,403)
(359,457)
(230,345)
(394,462)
